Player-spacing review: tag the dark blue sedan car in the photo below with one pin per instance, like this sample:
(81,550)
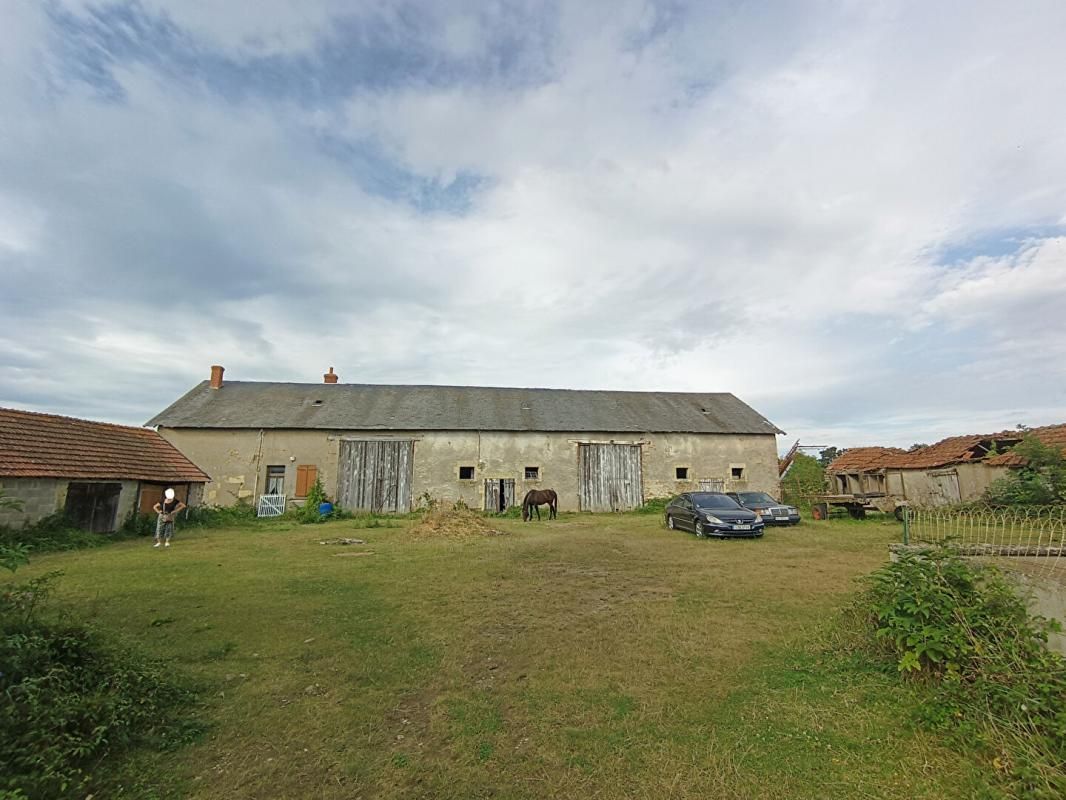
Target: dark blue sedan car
(712,514)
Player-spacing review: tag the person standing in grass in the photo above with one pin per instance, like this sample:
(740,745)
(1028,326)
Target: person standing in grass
(167,509)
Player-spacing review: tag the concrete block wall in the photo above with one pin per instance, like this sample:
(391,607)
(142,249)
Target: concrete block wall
(40,497)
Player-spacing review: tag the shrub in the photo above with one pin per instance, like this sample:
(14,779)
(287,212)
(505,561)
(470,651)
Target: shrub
(238,515)
(72,702)
(1041,481)
(964,627)
(138,524)
(308,513)
(805,478)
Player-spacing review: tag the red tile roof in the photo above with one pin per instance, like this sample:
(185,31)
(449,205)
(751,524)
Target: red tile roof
(36,445)
(954,450)
(1054,435)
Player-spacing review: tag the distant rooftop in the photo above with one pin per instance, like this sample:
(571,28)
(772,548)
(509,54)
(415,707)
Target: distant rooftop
(989,448)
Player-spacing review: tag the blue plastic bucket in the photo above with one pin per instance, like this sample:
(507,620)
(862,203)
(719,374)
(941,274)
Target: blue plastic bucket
(325,509)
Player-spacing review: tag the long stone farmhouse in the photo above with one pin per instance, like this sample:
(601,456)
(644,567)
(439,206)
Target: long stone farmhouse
(385,448)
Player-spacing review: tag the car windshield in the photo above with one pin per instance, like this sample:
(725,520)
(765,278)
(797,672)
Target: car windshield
(713,501)
(756,497)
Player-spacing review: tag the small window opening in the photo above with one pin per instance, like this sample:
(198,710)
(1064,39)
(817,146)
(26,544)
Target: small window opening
(316,402)
(532,473)
(737,473)
(466,473)
(682,473)
(275,483)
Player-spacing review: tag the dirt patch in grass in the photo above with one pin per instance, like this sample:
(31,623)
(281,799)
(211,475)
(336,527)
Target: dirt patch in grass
(453,523)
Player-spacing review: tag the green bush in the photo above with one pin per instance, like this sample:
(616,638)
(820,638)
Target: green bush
(72,703)
(1041,481)
(308,513)
(805,479)
(138,524)
(964,627)
(241,514)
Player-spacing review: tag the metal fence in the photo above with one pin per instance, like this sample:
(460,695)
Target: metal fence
(1034,538)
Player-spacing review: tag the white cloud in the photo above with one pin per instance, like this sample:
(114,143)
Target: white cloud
(714,201)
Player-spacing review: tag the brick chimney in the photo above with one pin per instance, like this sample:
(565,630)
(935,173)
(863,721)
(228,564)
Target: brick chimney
(216,376)
(330,377)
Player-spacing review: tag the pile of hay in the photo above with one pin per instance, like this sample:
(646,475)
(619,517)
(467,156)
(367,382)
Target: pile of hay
(453,523)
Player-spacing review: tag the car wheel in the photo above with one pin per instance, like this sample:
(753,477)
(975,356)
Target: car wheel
(670,523)
(700,532)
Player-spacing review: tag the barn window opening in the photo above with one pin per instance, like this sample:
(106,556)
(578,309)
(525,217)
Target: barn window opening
(532,473)
(275,480)
(466,473)
(681,473)
(737,473)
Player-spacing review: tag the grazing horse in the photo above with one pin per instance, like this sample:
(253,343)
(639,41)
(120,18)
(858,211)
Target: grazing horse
(538,497)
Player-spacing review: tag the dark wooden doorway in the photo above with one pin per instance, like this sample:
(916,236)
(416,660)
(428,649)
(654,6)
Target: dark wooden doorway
(499,494)
(93,506)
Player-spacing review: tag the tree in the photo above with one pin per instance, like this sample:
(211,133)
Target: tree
(825,457)
(1040,481)
(805,478)
(916,446)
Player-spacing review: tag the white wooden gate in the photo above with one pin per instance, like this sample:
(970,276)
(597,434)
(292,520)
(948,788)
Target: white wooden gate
(375,475)
(610,477)
(271,505)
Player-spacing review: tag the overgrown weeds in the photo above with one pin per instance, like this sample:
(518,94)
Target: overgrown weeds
(51,533)
(654,505)
(963,628)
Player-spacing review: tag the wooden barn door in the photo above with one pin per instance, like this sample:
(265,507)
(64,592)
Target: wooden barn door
(375,476)
(499,494)
(610,476)
(492,495)
(93,506)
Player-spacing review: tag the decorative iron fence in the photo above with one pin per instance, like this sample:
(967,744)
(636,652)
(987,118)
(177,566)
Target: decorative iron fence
(1036,537)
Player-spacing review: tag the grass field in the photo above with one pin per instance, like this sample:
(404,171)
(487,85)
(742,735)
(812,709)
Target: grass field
(592,657)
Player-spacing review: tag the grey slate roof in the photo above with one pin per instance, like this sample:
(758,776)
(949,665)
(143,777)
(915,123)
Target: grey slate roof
(253,404)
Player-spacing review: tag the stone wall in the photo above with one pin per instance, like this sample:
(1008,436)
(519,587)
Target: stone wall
(237,460)
(40,497)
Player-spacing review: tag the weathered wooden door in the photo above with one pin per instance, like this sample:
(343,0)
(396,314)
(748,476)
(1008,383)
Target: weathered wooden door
(610,477)
(492,495)
(946,488)
(375,475)
(499,494)
(93,506)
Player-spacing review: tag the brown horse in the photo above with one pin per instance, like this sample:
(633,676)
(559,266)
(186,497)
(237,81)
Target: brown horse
(538,497)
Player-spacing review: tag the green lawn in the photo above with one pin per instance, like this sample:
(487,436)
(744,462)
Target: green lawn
(592,657)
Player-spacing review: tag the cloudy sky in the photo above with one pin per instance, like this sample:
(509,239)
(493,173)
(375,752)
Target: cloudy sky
(850,214)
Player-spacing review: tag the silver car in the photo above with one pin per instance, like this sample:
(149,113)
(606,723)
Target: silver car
(771,511)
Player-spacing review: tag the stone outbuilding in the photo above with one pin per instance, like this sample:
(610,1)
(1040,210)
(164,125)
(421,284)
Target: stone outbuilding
(95,472)
(386,448)
(957,469)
